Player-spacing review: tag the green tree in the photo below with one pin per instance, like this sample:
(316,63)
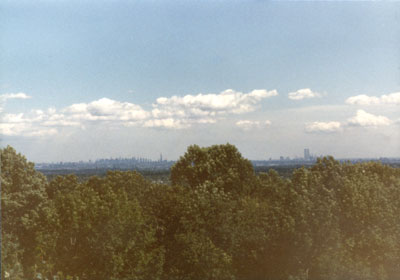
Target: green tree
(218,220)
(23,200)
(101,230)
(190,224)
(221,165)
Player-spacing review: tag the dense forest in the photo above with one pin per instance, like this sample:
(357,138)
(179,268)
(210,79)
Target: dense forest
(217,219)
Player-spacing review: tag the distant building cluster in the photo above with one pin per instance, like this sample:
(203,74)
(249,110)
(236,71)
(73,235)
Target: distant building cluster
(309,159)
(306,154)
(112,163)
(141,163)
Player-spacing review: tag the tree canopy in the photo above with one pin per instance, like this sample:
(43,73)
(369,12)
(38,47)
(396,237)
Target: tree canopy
(221,165)
(217,220)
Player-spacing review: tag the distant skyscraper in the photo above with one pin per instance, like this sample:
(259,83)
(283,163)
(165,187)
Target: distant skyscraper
(306,154)
(160,157)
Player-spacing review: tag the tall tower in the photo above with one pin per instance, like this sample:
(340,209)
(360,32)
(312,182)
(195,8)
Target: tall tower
(160,157)
(306,154)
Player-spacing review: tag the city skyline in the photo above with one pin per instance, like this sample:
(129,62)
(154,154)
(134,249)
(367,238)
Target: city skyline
(307,156)
(93,80)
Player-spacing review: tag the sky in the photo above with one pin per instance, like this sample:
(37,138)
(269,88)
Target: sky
(84,80)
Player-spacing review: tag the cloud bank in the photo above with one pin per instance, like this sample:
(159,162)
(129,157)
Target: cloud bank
(386,99)
(361,119)
(176,112)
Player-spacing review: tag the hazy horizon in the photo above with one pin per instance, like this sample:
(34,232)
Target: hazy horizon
(156,159)
(83,81)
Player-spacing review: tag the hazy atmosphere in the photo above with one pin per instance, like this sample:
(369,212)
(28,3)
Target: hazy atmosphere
(86,80)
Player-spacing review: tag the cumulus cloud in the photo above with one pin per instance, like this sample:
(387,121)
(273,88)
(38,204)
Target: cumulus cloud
(365,119)
(303,94)
(40,123)
(35,123)
(176,112)
(6,96)
(249,125)
(228,101)
(361,119)
(106,109)
(386,99)
(25,129)
(325,127)
(13,118)
(206,108)
(19,95)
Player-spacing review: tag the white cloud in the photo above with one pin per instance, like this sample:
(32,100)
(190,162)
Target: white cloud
(172,113)
(393,98)
(361,119)
(302,94)
(19,95)
(35,123)
(174,123)
(10,129)
(228,101)
(207,108)
(326,127)
(25,129)
(389,99)
(78,108)
(249,125)
(167,123)
(175,112)
(13,118)
(106,109)
(6,96)
(364,119)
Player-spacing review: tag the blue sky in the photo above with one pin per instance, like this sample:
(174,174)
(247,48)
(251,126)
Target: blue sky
(87,79)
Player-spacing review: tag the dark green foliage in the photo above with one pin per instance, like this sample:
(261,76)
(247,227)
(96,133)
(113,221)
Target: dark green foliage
(85,174)
(221,165)
(22,208)
(217,220)
(101,230)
